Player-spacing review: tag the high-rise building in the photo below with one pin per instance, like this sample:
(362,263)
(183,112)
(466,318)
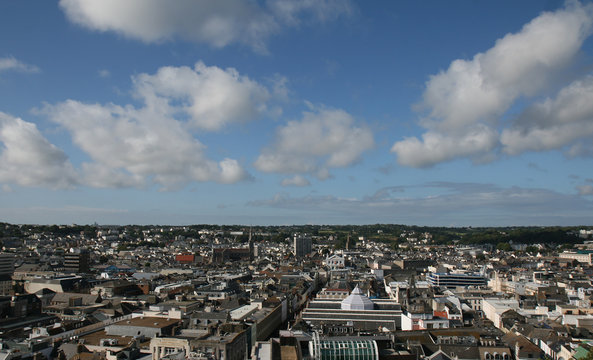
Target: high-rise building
(6,272)
(77,261)
(302,245)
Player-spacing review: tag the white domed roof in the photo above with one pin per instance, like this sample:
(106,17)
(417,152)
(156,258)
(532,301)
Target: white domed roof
(357,301)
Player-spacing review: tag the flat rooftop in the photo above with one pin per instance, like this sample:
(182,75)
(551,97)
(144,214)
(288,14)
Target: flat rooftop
(122,341)
(153,322)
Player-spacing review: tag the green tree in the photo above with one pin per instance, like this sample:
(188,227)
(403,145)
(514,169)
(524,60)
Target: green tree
(531,250)
(504,246)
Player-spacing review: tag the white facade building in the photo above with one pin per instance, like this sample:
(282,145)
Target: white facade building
(494,308)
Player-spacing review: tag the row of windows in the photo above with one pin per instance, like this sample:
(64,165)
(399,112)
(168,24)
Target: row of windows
(470,280)
(336,330)
(496,356)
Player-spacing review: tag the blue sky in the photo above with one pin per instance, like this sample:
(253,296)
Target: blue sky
(296,112)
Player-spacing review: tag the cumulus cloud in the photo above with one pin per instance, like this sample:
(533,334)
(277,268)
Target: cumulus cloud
(518,64)
(322,139)
(213,97)
(476,93)
(553,123)
(134,146)
(27,158)
(130,145)
(436,147)
(297,180)
(100,175)
(217,23)
(11,64)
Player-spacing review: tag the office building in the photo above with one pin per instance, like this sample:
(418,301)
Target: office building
(302,245)
(6,272)
(455,280)
(76,261)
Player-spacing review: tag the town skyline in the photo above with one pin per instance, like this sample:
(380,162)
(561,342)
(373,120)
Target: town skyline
(205,292)
(286,112)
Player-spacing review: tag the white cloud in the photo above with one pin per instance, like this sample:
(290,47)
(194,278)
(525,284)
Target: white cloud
(213,97)
(11,64)
(104,73)
(154,143)
(297,180)
(436,147)
(553,123)
(518,65)
(135,146)
(100,175)
(27,158)
(131,145)
(322,139)
(217,23)
(476,93)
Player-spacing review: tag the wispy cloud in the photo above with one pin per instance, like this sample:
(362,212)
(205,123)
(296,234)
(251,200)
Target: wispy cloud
(104,73)
(67,214)
(445,203)
(11,64)
(296,180)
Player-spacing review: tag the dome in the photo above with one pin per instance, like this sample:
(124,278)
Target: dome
(357,301)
